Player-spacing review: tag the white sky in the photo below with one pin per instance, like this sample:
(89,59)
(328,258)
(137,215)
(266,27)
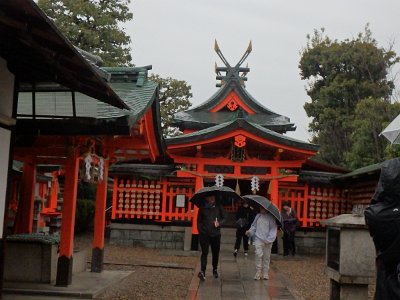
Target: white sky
(177,37)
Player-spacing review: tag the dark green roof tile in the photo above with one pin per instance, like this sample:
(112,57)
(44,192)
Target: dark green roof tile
(229,126)
(200,117)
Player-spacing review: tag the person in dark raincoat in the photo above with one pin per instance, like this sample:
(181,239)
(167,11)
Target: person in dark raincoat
(244,217)
(209,220)
(383,220)
(289,229)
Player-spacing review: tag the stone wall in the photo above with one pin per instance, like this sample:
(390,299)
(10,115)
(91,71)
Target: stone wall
(151,236)
(310,243)
(177,237)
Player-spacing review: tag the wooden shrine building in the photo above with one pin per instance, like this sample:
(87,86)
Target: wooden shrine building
(234,135)
(63,119)
(55,132)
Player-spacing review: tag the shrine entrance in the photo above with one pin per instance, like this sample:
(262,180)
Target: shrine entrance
(242,187)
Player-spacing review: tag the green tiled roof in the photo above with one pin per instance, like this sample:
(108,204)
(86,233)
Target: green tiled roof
(361,171)
(229,126)
(130,84)
(139,99)
(200,117)
(204,119)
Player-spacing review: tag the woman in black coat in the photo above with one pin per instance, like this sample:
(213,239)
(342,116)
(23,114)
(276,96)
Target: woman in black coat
(244,218)
(289,229)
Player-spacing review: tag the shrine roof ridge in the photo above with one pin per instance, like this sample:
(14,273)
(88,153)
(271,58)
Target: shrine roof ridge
(229,126)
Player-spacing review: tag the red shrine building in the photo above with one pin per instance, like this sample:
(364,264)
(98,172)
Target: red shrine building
(69,121)
(236,137)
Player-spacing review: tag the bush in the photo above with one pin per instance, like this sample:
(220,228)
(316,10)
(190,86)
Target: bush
(84,219)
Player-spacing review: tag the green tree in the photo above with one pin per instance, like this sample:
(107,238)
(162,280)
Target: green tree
(340,74)
(92,25)
(175,96)
(371,117)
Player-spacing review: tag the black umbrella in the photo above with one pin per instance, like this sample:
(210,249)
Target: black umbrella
(267,204)
(224,195)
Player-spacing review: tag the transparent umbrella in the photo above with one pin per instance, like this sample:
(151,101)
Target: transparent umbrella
(392,131)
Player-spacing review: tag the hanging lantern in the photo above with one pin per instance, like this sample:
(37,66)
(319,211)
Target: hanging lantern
(219,180)
(255,184)
(92,168)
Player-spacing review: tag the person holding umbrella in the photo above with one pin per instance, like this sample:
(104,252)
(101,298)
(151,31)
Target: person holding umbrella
(244,217)
(264,228)
(209,220)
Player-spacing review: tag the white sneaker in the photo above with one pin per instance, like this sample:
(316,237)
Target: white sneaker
(257,276)
(265,277)
(245,253)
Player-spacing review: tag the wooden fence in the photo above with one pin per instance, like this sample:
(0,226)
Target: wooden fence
(168,200)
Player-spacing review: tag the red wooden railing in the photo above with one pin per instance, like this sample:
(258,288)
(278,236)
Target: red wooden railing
(153,200)
(159,200)
(139,199)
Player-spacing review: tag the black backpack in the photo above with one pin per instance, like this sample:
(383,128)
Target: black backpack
(383,220)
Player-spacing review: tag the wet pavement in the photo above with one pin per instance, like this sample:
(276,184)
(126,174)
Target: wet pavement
(236,281)
(85,285)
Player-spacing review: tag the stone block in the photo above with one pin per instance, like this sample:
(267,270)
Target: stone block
(124,242)
(159,245)
(177,236)
(149,244)
(115,234)
(169,245)
(188,239)
(145,235)
(166,236)
(30,262)
(156,235)
(134,234)
(179,245)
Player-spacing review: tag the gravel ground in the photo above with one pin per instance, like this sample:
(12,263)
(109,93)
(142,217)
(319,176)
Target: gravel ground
(307,276)
(163,274)
(156,274)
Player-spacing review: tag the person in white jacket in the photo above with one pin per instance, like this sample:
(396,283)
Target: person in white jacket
(264,230)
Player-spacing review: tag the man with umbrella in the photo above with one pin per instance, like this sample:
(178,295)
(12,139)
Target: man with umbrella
(210,217)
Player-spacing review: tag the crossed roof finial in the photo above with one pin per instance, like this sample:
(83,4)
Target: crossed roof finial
(232,73)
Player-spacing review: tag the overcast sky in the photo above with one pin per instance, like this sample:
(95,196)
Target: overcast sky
(177,37)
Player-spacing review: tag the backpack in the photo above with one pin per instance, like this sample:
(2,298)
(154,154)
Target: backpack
(383,220)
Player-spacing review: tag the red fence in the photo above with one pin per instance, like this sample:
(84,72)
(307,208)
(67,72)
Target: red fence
(155,200)
(168,200)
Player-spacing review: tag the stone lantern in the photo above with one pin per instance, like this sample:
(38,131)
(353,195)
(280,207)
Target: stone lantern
(350,257)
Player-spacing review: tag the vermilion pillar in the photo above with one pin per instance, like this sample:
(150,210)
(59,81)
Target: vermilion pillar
(65,259)
(24,220)
(100,223)
(274,186)
(195,231)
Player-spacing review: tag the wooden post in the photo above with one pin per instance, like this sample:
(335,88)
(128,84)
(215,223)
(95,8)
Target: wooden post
(54,189)
(274,186)
(164,200)
(24,220)
(195,230)
(65,259)
(114,199)
(100,223)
